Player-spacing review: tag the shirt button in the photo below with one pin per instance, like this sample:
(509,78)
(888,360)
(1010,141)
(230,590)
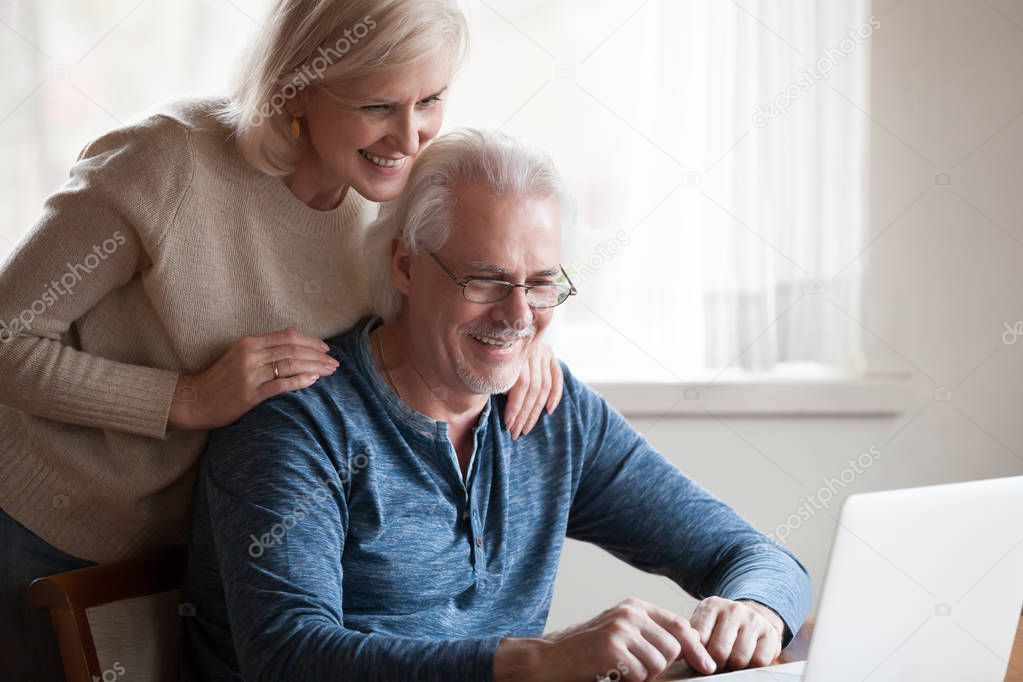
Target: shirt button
(479,542)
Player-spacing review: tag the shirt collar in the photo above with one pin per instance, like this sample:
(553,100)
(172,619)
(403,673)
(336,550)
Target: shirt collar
(431,428)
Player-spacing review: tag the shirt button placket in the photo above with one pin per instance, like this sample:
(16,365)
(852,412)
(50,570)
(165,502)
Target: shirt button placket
(479,562)
(476,537)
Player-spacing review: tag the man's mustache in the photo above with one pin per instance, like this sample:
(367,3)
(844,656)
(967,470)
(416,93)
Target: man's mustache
(504,332)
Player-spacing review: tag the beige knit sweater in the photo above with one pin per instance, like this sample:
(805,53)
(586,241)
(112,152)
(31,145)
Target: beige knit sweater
(163,248)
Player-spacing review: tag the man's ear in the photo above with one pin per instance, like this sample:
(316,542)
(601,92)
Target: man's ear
(401,266)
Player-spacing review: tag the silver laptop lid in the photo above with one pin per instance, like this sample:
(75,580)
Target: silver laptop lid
(922,584)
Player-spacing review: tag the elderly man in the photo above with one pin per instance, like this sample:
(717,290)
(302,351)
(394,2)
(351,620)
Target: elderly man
(382,525)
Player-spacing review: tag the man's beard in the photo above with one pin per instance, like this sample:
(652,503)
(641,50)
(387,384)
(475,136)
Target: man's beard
(483,386)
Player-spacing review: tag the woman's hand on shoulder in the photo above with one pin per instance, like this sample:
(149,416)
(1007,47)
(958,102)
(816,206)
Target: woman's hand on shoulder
(539,386)
(245,377)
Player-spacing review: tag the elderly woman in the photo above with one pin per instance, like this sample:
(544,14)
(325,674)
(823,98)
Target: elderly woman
(187,272)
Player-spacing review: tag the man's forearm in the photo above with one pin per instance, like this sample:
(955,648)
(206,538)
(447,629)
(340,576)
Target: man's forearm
(316,652)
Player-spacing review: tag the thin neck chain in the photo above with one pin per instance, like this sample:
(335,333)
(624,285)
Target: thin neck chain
(387,371)
(390,377)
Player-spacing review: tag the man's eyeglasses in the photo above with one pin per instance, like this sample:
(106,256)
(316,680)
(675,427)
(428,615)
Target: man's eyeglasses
(479,290)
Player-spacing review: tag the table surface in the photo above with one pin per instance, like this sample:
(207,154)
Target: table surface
(797,651)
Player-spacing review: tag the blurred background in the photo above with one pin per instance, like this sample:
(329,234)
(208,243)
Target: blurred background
(799,237)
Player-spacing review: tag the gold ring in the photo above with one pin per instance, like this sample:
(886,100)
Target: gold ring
(277,374)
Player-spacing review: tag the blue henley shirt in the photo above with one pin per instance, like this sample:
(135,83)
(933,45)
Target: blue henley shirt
(335,538)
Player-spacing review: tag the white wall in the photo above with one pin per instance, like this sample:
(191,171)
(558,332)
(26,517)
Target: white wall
(943,276)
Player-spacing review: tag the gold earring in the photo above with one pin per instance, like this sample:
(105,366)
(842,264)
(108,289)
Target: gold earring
(296,128)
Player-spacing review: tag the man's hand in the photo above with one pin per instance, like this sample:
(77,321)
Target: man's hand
(738,634)
(635,639)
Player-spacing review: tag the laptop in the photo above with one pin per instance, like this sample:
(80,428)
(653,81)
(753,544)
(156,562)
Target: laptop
(923,584)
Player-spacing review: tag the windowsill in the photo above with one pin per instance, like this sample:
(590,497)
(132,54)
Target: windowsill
(777,394)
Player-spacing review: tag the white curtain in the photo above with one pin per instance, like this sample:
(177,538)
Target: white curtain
(794,187)
(735,231)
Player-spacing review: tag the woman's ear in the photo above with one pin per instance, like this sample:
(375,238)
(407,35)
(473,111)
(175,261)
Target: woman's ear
(298,105)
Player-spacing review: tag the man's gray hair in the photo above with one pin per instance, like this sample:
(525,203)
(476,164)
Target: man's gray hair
(423,215)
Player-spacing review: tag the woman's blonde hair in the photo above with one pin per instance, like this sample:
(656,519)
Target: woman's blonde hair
(311,42)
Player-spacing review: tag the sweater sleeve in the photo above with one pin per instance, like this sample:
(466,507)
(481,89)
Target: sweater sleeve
(101,228)
(279,519)
(641,508)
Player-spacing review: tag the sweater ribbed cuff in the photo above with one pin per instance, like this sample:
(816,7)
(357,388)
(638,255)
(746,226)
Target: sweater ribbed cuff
(127,398)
